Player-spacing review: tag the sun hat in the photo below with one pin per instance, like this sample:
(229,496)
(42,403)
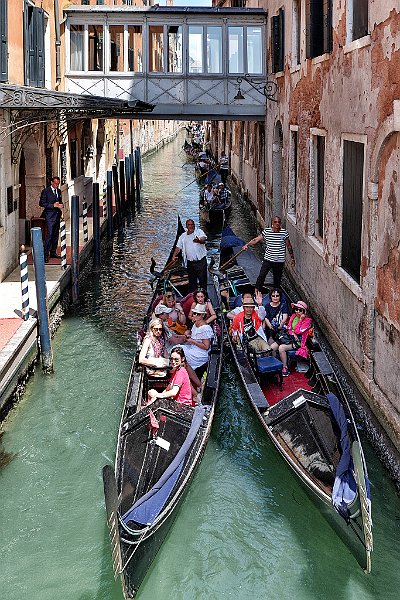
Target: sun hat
(248,302)
(220,183)
(300,304)
(161,309)
(199,308)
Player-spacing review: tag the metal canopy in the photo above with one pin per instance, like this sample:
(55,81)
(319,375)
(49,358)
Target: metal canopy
(24,97)
(31,107)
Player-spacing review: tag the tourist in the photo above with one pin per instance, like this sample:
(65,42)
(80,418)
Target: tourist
(179,388)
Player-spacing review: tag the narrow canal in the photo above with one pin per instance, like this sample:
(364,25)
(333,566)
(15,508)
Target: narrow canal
(246,529)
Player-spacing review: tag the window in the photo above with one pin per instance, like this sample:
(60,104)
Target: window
(296,32)
(34,46)
(235,49)
(319,185)
(318,27)
(195,49)
(353,185)
(95,48)
(116,47)
(294,142)
(156,48)
(85,2)
(135,49)
(357,19)
(278,41)
(254,50)
(214,49)
(77,38)
(3,41)
(175,64)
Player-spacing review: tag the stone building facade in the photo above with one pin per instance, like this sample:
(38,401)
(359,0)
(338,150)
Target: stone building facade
(32,56)
(327,159)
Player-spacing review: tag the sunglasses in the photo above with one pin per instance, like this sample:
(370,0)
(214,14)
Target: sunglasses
(275,295)
(157,328)
(300,310)
(169,296)
(196,313)
(175,359)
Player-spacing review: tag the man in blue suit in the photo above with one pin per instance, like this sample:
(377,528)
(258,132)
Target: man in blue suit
(50,200)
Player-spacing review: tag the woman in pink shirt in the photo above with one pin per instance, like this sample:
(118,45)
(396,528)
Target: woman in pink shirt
(179,388)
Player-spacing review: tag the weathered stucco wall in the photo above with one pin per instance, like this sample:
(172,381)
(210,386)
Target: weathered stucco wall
(351,93)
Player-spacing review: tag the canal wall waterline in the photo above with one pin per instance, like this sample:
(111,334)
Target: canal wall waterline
(21,354)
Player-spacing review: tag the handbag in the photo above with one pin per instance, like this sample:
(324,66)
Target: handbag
(285,338)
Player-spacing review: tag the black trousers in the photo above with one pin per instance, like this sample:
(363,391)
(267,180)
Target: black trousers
(53,218)
(224,174)
(197,272)
(277,269)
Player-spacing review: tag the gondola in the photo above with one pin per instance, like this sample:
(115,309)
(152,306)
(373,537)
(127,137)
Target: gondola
(158,451)
(308,419)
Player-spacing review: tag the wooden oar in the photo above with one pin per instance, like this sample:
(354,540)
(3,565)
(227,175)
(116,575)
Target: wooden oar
(195,179)
(232,258)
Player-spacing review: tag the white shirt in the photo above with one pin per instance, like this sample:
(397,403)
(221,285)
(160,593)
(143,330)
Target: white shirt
(190,250)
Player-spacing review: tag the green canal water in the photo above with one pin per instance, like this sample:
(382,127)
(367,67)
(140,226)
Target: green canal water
(246,529)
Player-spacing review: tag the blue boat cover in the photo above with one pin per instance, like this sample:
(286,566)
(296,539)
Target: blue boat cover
(230,240)
(345,488)
(148,507)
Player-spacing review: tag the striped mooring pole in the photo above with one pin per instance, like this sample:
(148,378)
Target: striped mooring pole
(104,203)
(85,225)
(23,261)
(63,235)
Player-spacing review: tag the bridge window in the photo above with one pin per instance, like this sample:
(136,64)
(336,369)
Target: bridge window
(135,49)
(95,48)
(235,35)
(156,48)
(77,38)
(254,51)
(175,49)
(116,48)
(195,49)
(214,49)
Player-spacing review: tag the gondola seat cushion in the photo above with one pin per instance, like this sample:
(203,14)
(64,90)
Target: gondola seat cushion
(269,364)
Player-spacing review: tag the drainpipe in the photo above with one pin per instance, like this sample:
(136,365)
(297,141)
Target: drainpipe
(58,42)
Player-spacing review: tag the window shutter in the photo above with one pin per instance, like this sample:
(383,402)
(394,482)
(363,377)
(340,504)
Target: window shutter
(327,29)
(281,18)
(353,170)
(39,27)
(31,48)
(360,18)
(275,43)
(308,29)
(3,41)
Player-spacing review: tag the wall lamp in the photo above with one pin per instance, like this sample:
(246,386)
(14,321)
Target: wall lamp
(268,88)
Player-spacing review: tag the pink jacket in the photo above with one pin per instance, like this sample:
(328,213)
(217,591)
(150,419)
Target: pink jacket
(302,327)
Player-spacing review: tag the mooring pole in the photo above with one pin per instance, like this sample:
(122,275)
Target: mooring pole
(137,173)
(75,247)
(23,261)
(132,182)
(122,186)
(63,237)
(110,226)
(41,296)
(127,183)
(85,222)
(96,224)
(117,196)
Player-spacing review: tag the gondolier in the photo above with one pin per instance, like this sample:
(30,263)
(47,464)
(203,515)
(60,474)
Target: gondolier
(192,246)
(276,241)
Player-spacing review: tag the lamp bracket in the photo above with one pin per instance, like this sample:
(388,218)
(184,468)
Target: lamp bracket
(268,88)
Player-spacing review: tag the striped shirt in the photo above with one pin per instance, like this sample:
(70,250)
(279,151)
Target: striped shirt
(275,242)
